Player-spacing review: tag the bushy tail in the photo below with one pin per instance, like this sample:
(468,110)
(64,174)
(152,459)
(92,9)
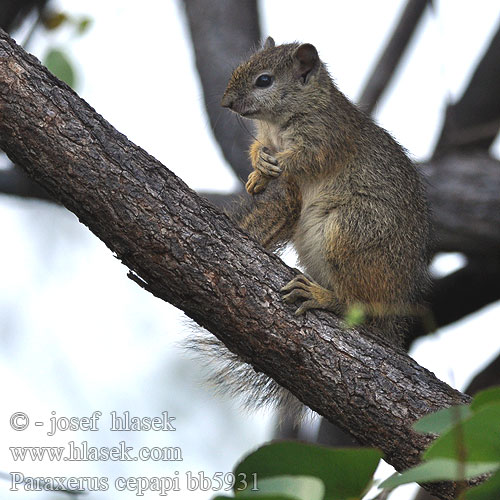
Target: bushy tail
(229,376)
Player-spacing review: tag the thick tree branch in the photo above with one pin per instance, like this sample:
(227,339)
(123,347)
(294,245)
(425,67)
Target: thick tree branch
(463,190)
(189,254)
(222,32)
(385,67)
(473,121)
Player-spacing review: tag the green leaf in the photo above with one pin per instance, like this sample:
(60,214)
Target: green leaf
(485,397)
(294,487)
(439,469)
(53,20)
(476,439)
(84,24)
(486,491)
(442,420)
(345,472)
(58,63)
(355,315)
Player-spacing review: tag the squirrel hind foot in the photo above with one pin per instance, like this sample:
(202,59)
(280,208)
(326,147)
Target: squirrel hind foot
(314,296)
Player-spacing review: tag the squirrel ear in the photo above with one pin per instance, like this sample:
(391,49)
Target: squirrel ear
(306,61)
(269,43)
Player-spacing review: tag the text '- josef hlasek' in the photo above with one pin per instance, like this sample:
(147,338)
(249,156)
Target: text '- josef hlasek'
(20,421)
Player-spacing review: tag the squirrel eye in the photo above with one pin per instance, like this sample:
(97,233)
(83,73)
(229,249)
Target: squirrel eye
(264,80)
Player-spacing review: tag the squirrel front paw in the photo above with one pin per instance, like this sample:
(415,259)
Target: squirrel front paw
(266,168)
(267,164)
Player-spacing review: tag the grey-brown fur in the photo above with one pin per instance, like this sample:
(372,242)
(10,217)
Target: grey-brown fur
(350,199)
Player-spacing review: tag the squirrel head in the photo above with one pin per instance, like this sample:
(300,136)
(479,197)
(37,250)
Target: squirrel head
(274,83)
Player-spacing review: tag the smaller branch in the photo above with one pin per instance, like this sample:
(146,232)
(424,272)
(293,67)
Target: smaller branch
(488,377)
(13,12)
(389,60)
(14,181)
(465,291)
(459,294)
(222,32)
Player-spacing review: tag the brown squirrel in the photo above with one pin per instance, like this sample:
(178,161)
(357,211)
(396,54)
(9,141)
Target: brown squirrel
(363,225)
(349,198)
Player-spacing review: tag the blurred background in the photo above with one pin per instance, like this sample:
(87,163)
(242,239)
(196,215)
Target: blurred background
(77,336)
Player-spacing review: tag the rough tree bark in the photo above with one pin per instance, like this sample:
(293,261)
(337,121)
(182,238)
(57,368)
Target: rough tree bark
(183,250)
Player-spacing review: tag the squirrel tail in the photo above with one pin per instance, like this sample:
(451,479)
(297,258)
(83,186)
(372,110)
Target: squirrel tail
(229,375)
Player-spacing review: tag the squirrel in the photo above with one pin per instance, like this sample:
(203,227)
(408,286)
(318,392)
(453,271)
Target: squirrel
(349,199)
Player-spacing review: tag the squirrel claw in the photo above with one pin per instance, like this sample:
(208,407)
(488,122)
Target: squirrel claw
(300,281)
(267,164)
(301,288)
(306,305)
(296,294)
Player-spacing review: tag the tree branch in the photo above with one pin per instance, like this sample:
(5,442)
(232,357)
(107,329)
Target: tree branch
(461,293)
(222,32)
(463,193)
(13,12)
(386,65)
(488,377)
(15,181)
(473,121)
(186,252)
